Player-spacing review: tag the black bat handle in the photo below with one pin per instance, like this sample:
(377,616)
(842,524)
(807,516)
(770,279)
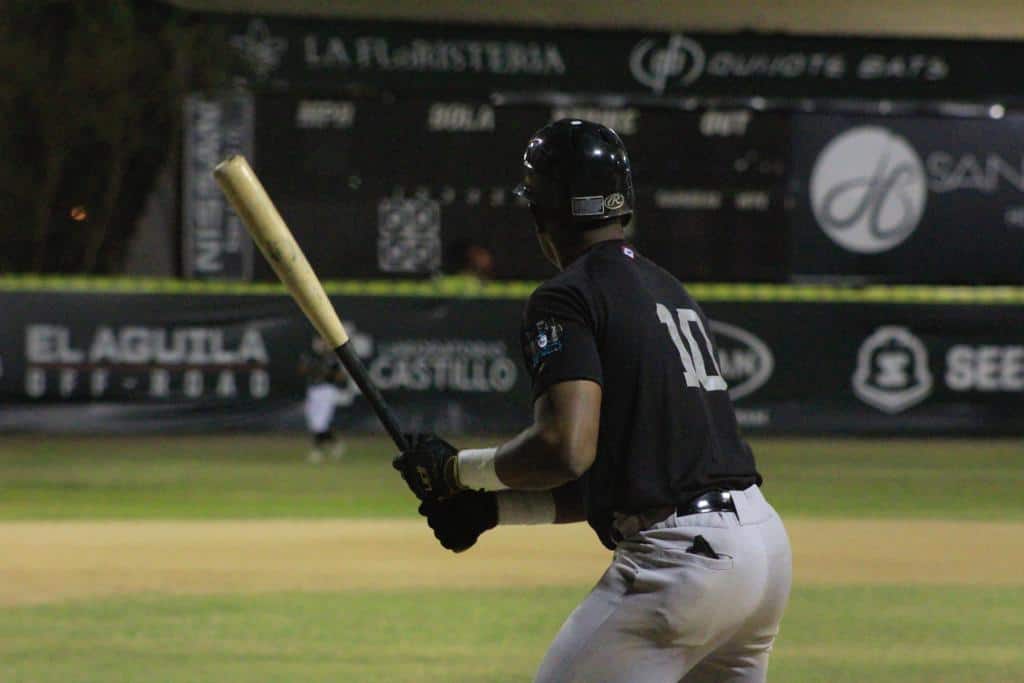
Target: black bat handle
(356,369)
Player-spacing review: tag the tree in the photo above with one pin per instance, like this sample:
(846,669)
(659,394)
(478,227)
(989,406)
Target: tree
(91,94)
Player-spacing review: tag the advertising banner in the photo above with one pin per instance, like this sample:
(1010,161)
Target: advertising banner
(335,54)
(858,364)
(128,362)
(880,368)
(215,245)
(908,199)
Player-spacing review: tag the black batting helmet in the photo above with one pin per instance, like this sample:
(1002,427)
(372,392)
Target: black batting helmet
(579,168)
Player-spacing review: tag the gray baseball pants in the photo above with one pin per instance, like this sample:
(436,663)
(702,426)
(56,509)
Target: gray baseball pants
(661,614)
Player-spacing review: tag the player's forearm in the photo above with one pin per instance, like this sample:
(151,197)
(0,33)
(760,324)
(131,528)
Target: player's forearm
(563,505)
(527,465)
(557,448)
(534,460)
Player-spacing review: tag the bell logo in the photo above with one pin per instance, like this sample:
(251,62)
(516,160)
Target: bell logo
(892,370)
(868,190)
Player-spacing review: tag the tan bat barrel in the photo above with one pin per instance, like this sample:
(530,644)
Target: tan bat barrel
(245,192)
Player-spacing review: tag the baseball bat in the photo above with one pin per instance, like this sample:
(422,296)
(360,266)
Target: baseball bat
(243,189)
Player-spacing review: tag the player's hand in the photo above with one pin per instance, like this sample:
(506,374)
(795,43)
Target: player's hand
(458,521)
(428,467)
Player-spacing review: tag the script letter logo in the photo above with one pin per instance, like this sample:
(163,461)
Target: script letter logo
(868,190)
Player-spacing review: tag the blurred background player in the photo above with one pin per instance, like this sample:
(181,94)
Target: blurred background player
(479,263)
(323,372)
(470,266)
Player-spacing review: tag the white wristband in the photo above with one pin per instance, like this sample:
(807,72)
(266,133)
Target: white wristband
(526,507)
(476,470)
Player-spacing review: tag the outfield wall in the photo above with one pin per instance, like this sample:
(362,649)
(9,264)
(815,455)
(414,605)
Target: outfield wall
(143,356)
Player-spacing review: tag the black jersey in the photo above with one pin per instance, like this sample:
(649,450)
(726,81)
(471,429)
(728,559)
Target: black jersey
(668,431)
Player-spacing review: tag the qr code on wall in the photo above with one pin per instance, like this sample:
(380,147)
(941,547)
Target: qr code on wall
(409,236)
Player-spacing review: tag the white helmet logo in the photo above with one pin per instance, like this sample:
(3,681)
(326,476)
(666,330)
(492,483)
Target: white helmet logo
(614,202)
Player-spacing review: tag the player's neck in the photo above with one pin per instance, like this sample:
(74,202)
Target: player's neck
(569,252)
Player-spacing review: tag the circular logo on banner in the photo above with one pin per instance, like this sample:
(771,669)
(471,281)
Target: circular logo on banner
(745,360)
(868,190)
(656,64)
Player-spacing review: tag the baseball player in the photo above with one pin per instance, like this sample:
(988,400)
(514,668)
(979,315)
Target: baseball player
(635,433)
(322,372)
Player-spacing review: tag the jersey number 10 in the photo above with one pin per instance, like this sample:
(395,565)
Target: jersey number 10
(691,351)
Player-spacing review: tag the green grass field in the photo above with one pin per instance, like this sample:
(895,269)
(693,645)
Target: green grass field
(836,633)
(239,477)
(840,635)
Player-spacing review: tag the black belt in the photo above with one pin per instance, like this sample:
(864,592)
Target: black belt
(712,501)
(625,525)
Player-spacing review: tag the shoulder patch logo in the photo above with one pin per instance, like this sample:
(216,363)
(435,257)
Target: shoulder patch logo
(543,340)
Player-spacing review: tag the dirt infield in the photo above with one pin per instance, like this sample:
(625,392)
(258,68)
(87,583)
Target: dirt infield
(53,561)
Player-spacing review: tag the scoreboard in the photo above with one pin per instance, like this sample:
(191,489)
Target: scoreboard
(393,187)
(392,147)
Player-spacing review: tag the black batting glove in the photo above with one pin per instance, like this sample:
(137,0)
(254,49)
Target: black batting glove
(458,521)
(428,467)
